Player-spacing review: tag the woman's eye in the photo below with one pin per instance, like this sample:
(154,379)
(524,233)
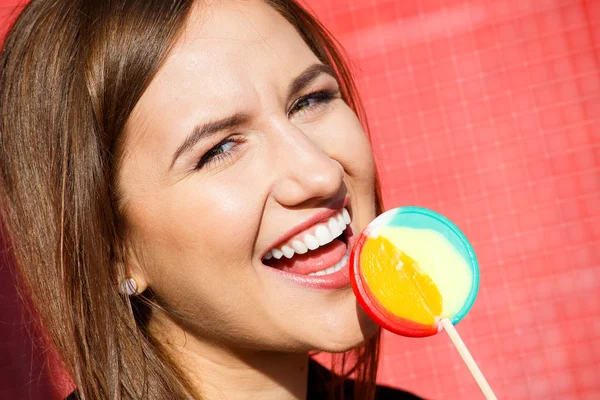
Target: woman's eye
(313,101)
(219,153)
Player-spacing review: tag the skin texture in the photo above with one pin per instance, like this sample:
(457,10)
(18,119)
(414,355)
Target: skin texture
(196,236)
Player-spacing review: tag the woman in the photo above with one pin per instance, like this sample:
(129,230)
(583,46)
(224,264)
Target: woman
(181,184)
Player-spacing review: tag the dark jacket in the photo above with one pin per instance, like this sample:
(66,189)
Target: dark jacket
(318,382)
(319,378)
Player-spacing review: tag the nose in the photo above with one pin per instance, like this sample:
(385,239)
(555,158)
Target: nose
(304,174)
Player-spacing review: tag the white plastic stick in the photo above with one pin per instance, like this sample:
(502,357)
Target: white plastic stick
(468,359)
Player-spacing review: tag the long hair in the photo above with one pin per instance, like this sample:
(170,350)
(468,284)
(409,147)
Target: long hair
(71,72)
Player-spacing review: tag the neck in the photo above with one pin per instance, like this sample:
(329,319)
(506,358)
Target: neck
(224,373)
(252,376)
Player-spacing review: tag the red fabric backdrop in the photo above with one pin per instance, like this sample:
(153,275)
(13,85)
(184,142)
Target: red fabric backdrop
(489,112)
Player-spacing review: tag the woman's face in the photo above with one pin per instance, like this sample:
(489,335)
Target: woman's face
(242,145)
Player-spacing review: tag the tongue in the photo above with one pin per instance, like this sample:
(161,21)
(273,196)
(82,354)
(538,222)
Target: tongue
(313,261)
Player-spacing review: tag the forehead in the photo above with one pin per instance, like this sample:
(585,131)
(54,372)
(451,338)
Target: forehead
(228,50)
(227,32)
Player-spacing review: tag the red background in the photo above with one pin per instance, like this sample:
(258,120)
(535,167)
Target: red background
(487,111)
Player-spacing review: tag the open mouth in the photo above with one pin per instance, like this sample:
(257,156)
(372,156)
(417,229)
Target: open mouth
(318,251)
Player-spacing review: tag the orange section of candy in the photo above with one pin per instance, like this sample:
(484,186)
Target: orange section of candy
(398,284)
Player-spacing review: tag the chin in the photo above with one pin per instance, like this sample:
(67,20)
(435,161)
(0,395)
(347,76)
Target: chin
(347,336)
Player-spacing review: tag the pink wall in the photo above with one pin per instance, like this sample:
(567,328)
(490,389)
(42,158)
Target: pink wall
(489,112)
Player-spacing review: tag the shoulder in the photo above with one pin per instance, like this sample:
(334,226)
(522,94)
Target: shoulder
(319,378)
(388,393)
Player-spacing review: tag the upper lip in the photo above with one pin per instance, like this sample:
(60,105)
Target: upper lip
(332,208)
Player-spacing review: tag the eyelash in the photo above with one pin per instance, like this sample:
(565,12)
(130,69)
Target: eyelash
(213,157)
(320,97)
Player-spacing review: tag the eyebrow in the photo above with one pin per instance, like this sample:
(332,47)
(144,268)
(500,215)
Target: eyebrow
(307,77)
(201,131)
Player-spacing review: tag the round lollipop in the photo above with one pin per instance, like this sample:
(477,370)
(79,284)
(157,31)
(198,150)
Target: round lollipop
(415,274)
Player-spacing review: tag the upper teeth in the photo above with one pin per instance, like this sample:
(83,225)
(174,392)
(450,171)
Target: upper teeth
(324,233)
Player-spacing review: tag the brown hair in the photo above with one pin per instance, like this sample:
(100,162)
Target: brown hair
(71,72)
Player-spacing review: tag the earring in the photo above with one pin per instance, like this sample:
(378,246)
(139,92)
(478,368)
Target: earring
(128,287)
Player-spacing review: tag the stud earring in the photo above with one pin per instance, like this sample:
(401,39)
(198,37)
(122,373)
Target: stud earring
(128,287)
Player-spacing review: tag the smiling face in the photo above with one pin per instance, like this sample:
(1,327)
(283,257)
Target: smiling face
(242,151)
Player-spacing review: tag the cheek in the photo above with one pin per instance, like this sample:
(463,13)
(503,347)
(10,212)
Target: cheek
(347,142)
(197,248)
(350,146)
(194,229)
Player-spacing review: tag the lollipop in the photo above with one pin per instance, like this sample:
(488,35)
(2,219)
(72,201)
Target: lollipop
(415,274)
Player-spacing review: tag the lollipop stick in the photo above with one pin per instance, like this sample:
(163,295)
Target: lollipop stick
(468,359)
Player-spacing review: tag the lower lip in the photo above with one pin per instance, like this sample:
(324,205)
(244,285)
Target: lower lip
(337,280)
